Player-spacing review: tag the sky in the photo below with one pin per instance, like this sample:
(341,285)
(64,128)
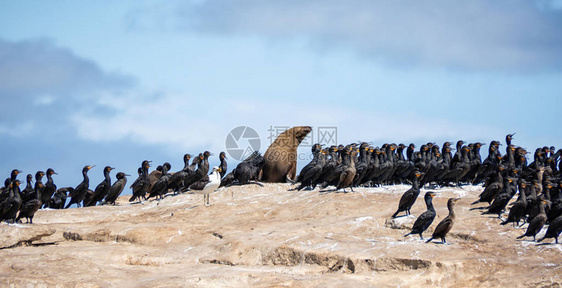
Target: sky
(117,82)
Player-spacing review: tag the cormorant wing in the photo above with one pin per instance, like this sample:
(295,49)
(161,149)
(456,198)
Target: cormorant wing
(199,185)
(443,227)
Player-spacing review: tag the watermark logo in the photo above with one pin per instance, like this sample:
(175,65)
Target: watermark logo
(328,135)
(325,135)
(241,142)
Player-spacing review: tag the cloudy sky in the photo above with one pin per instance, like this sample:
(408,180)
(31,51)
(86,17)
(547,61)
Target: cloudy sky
(117,82)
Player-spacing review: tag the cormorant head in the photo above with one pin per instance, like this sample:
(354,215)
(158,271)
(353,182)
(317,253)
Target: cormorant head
(222,155)
(39,175)
(168,166)
(50,171)
(121,175)
(430,194)
(145,164)
(452,201)
(509,137)
(186,157)
(15,173)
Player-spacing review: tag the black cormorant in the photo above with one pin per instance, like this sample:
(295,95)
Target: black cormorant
(160,188)
(223,165)
(102,189)
(426,218)
(80,191)
(11,205)
(116,189)
(28,192)
(446,224)
(348,173)
(409,197)
(536,224)
(246,171)
(28,208)
(140,186)
(554,229)
(517,210)
(49,189)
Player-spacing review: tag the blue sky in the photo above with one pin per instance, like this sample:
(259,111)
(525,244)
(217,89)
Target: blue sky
(117,82)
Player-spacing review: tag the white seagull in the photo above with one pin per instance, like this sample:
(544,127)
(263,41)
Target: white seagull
(212,184)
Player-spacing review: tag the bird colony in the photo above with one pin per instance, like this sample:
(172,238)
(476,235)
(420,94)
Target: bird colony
(516,191)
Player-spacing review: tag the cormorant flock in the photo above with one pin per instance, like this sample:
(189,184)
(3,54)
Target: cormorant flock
(539,183)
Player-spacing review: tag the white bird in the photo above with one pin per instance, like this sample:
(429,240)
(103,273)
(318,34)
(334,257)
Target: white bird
(210,186)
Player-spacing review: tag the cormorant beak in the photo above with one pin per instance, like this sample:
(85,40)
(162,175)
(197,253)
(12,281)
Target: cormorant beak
(127,175)
(90,167)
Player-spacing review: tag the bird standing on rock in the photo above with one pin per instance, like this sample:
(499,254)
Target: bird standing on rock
(140,186)
(50,189)
(426,218)
(446,224)
(536,224)
(116,189)
(409,197)
(80,191)
(101,190)
(10,206)
(212,184)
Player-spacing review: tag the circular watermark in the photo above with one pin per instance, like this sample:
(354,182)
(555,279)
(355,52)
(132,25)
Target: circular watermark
(241,142)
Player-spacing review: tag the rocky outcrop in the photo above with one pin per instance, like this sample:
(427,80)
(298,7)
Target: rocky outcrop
(269,236)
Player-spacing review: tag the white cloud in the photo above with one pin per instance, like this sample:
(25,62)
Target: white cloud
(178,123)
(474,35)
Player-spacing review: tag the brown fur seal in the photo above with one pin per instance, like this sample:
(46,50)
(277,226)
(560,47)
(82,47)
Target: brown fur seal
(281,156)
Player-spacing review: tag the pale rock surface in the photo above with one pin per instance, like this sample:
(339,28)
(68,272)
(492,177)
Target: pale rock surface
(255,236)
